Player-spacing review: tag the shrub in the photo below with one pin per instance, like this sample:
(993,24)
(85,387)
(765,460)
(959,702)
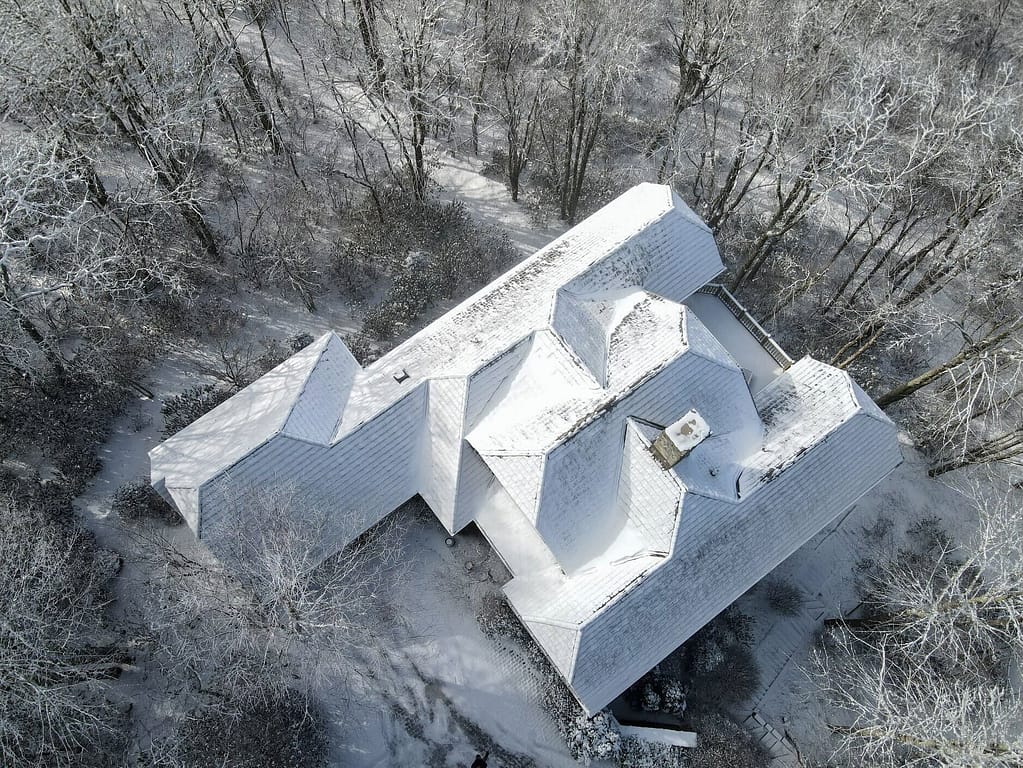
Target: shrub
(264,733)
(300,341)
(782,596)
(181,410)
(588,738)
(673,698)
(716,666)
(64,417)
(650,701)
(497,166)
(723,743)
(430,250)
(354,268)
(636,753)
(138,500)
(593,738)
(362,347)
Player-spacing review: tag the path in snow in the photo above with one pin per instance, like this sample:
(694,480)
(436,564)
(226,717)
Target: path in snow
(491,203)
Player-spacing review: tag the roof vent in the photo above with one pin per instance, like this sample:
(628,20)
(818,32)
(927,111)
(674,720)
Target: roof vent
(401,376)
(679,439)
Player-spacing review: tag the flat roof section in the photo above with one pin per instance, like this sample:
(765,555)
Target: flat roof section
(740,343)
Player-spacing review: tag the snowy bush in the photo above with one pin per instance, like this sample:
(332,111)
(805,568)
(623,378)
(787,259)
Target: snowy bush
(716,665)
(658,692)
(673,698)
(496,618)
(594,738)
(262,732)
(650,700)
(181,410)
(636,753)
(782,596)
(138,500)
(723,743)
(497,166)
(430,250)
(362,347)
(300,341)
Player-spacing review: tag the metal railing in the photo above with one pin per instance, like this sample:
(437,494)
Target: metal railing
(749,323)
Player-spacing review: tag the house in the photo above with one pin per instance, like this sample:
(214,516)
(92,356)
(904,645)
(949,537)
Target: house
(634,446)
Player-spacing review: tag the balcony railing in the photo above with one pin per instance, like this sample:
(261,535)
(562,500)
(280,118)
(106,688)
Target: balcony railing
(746,320)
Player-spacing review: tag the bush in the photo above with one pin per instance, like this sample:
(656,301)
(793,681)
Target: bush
(271,733)
(181,410)
(593,738)
(650,701)
(723,743)
(300,341)
(716,666)
(673,698)
(65,418)
(636,753)
(497,166)
(138,500)
(362,347)
(782,596)
(430,251)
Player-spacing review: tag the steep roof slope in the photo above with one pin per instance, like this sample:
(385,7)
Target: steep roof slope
(302,396)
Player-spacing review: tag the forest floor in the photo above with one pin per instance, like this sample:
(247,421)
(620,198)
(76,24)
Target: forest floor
(436,689)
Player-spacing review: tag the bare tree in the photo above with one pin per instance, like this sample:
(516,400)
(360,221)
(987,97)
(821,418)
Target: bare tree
(92,68)
(275,608)
(885,715)
(594,50)
(924,677)
(58,244)
(408,83)
(56,656)
(522,83)
(1006,447)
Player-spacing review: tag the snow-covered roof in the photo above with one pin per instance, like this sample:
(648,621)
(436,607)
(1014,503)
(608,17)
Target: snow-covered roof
(298,397)
(638,236)
(532,409)
(821,450)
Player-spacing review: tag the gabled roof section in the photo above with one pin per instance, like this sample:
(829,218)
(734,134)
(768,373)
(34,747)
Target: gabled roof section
(248,419)
(615,333)
(651,330)
(799,409)
(543,390)
(319,405)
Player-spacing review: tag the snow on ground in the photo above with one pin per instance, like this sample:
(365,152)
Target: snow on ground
(490,202)
(823,570)
(436,665)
